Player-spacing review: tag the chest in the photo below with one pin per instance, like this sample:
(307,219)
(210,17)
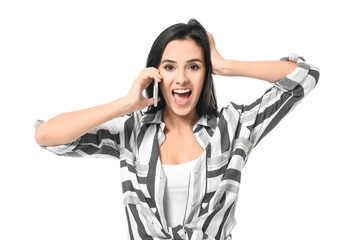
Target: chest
(179,148)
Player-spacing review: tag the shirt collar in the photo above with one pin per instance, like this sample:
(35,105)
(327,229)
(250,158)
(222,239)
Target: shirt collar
(206,122)
(155,118)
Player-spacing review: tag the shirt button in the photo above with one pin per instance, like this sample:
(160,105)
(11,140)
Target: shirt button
(193,203)
(195,171)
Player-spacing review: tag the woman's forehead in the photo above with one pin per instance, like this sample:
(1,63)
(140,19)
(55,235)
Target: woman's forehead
(182,50)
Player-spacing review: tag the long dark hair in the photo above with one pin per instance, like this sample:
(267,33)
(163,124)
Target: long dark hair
(207,104)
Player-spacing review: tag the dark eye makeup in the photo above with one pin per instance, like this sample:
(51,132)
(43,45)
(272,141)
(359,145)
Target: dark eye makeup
(168,67)
(192,67)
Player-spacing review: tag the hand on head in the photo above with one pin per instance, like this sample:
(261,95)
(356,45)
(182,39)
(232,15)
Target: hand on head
(217,60)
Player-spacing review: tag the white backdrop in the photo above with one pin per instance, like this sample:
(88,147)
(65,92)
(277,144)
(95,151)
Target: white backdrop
(301,181)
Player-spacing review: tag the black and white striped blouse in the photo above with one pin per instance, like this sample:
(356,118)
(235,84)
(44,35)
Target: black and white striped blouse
(227,141)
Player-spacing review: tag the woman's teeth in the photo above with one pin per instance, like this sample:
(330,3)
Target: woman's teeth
(182,90)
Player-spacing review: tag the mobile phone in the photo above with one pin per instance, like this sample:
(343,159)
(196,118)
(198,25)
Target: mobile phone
(155,93)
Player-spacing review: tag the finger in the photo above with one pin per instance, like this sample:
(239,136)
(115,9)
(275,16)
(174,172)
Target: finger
(152,73)
(211,39)
(149,77)
(156,78)
(156,73)
(151,101)
(146,72)
(146,83)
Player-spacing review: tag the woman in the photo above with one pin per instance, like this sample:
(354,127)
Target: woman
(181,161)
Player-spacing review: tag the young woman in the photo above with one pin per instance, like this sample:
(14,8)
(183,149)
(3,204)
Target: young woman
(181,161)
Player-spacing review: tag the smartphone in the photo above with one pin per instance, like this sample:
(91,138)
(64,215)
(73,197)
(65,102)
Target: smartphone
(155,93)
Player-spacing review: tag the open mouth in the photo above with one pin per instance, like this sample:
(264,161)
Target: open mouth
(181,96)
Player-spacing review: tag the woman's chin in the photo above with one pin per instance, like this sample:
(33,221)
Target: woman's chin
(182,110)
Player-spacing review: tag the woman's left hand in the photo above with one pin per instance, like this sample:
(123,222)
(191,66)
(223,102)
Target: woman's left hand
(217,61)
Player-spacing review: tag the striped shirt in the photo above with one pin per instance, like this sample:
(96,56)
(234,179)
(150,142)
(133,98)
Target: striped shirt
(227,141)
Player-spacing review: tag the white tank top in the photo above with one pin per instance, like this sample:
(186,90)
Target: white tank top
(176,191)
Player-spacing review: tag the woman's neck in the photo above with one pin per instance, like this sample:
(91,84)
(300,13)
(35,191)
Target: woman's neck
(175,122)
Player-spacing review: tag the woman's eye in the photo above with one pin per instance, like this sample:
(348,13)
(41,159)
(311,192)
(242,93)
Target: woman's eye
(169,67)
(194,67)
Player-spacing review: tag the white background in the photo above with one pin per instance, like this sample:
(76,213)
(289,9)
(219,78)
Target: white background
(301,182)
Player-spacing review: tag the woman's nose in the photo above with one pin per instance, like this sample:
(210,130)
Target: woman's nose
(181,78)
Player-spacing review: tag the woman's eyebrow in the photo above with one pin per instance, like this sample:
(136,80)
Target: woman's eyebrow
(188,61)
(194,60)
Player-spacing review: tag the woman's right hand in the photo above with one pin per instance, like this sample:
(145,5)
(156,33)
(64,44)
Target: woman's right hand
(67,127)
(135,97)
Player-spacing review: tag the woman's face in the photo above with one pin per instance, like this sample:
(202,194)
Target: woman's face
(182,67)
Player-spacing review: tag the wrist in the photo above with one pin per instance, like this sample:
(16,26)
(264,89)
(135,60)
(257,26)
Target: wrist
(219,68)
(123,106)
(224,68)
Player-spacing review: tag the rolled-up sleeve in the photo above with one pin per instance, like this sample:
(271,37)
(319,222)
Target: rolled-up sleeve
(304,78)
(262,115)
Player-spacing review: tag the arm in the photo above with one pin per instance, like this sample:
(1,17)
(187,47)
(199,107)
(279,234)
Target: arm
(292,79)
(270,71)
(67,127)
